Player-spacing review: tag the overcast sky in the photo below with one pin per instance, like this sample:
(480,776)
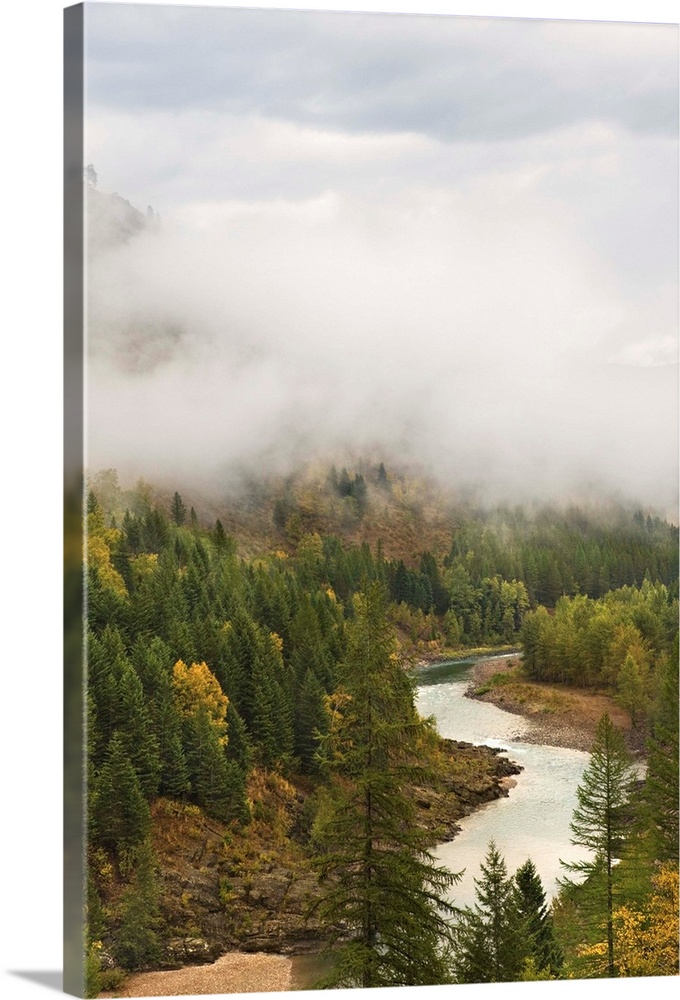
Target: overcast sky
(31,402)
(450,237)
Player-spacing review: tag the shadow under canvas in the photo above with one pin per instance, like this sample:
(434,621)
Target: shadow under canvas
(51,979)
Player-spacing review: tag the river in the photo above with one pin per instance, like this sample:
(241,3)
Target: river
(533,821)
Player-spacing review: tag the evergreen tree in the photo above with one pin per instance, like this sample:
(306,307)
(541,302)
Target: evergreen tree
(344,483)
(384,898)
(602,821)
(155,532)
(220,536)
(632,694)
(136,943)
(120,813)
(661,785)
(174,781)
(534,912)
(217,784)
(136,730)
(311,722)
(178,510)
(360,492)
(238,748)
(280,513)
(491,943)
(92,505)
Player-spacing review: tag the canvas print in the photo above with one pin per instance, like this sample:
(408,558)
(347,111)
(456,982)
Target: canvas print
(373,404)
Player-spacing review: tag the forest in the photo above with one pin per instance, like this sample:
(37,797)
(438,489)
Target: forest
(247,662)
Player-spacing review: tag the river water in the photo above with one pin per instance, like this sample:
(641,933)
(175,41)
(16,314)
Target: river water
(533,821)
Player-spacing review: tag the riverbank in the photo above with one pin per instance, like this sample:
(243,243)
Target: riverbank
(559,716)
(430,658)
(236,906)
(235,972)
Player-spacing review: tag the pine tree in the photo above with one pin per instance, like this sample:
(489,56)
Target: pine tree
(174,780)
(136,942)
(344,483)
(120,813)
(218,785)
(220,536)
(601,822)
(93,506)
(155,532)
(178,510)
(632,694)
(534,912)
(491,943)
(311,722)
(661,785)
(384,898)
(238,748)
(280,513)
(136,730)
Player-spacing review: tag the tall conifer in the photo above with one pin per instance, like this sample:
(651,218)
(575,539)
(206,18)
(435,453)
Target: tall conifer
(535,913)
(120,813)
(602,822)
(384,897)
(491,942)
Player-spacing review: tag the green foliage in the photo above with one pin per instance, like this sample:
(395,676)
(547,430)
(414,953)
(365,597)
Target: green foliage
(220,536)
(492,943)
(136,944)
(545,955)
(619,639)
(556,553)
(381,885)
(178,510)
(287,643)
(311,722)
(632,693)
(217,783)
(93,971)
(661,794)
(239,749)
(602,822)
(120,813)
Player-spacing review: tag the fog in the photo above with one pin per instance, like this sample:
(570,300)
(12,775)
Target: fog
(498,303)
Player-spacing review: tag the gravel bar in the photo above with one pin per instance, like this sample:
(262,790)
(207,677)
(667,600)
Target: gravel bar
(235,972)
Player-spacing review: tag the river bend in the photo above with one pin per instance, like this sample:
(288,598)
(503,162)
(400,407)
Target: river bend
(533,821)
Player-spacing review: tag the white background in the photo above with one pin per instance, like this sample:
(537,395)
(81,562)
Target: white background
(30,551)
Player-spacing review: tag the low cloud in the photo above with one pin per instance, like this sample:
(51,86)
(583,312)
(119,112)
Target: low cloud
(474,333)
(446,239)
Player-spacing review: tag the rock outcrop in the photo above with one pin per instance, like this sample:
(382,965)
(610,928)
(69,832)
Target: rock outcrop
(214,898)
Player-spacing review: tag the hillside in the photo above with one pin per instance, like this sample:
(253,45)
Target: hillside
(224,640)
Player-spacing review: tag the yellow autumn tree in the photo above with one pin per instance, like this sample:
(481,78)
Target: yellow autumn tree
(197,687)
(646,940)
(100,542)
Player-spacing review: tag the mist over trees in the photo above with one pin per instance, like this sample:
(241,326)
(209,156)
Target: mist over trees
(389,384)
(210,669)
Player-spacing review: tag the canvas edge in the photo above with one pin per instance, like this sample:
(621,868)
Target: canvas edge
(75,771)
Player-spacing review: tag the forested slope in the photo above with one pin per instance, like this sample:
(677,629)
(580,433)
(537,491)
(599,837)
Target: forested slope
(217,636)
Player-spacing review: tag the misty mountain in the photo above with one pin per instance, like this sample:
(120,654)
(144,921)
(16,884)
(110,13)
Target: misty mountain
(253,343)
(111,220)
